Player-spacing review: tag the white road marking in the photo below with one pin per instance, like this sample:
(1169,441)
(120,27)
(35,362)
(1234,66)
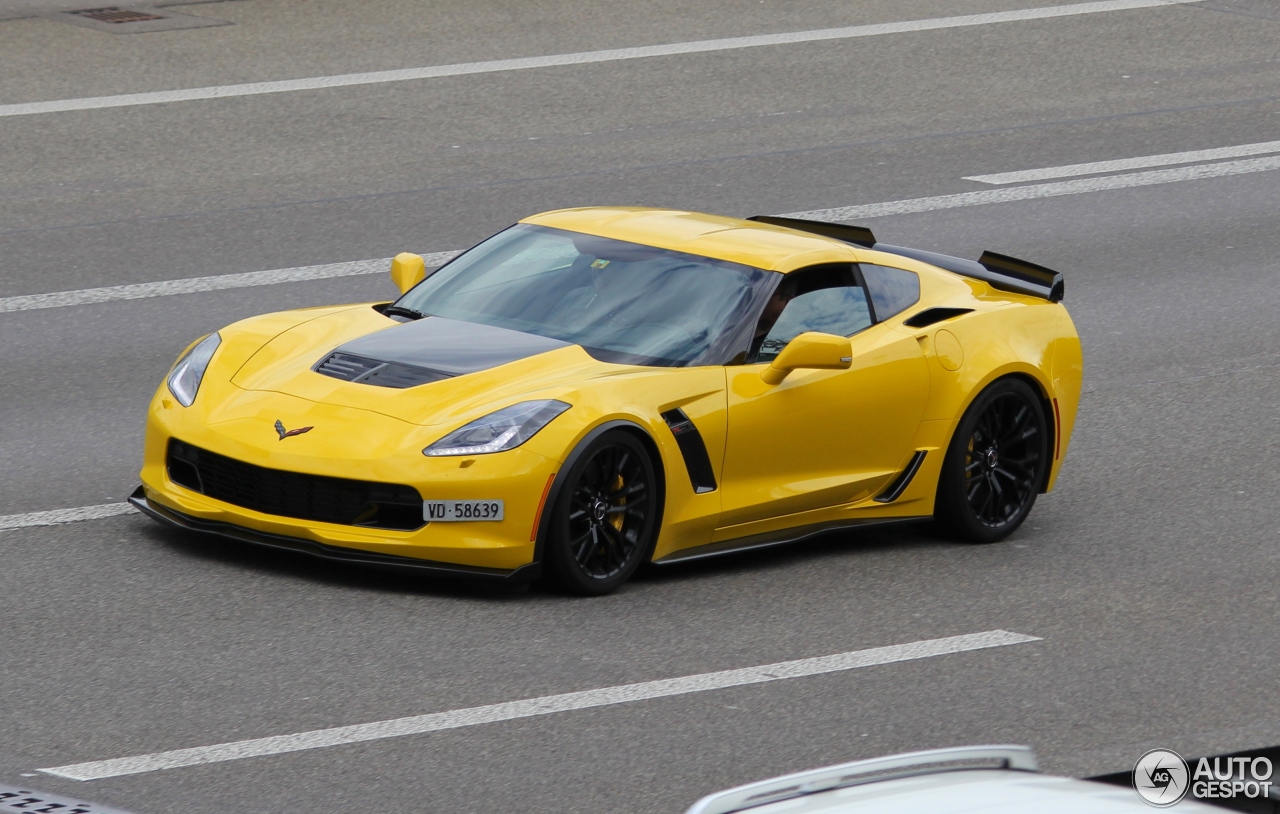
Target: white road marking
(1007,194)
(530,707)
(165,288)
(58,516)
(1095,167)
(581,58)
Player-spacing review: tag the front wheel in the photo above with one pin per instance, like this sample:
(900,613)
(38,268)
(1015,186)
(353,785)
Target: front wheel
(605,519)
(995,464)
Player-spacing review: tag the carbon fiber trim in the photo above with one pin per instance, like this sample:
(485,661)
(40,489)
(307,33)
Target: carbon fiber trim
(386,562)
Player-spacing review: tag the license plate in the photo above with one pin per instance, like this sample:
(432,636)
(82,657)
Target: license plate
(455,511)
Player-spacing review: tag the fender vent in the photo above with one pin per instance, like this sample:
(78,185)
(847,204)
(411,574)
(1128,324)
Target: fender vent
(693,450)
(350,368)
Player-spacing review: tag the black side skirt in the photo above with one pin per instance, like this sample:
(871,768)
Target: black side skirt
(775,538)
(386,562)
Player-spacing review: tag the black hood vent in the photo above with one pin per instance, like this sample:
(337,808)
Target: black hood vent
(370,371)
(428,350)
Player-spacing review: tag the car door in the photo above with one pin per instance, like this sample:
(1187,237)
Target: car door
(821,438)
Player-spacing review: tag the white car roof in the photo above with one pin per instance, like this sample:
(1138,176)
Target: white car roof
(947,781)
(980,791)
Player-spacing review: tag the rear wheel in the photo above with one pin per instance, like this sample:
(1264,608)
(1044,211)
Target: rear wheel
(995,464)
(606,517)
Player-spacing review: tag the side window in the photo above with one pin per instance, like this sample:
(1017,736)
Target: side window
(892,290)
(823,298)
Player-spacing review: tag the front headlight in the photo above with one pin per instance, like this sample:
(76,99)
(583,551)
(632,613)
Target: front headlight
(506,429)
(184,381)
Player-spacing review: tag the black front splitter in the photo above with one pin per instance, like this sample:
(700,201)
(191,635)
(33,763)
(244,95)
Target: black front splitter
(311,548)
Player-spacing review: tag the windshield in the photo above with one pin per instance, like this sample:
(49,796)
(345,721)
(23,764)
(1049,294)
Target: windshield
(622,302)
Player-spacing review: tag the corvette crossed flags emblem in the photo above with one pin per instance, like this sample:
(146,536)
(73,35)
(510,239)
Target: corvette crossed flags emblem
(283,433)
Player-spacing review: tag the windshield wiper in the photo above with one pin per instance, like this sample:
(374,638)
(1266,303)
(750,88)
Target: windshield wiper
(401,311)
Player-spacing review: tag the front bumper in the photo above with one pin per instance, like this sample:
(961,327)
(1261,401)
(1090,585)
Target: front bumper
(175,518)
(355,445)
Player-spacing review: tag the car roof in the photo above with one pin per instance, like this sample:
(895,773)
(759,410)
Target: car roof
(736,240)
(972,791)
(961,780)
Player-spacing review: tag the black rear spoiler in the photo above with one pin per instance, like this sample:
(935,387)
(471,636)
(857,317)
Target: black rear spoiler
(1000,271)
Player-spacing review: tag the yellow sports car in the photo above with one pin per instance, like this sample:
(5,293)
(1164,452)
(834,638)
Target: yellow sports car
(595,388)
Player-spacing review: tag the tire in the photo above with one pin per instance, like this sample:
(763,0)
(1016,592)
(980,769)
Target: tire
(606,517)
(995,464)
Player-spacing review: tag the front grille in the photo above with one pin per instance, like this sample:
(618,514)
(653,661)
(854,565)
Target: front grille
(292,494)
(370,371)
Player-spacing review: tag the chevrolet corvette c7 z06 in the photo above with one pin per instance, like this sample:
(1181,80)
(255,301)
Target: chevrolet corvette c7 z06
(595,388)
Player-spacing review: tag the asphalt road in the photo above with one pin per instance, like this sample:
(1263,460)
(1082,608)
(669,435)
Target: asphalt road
(1149,574)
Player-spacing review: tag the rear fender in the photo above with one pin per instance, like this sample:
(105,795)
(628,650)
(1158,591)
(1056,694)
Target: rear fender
(1017,341)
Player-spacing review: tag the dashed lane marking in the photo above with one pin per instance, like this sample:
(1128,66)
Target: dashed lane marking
(164,288)
(580,58)
(57,517)
(1141,162)
(530,707)
(1053,190)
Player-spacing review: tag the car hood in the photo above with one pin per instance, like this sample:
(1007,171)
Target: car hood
(441,348)
(452,369)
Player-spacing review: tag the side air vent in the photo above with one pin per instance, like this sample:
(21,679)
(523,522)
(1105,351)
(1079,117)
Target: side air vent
(931,316)
(350,368)
(693,450)
(903,480)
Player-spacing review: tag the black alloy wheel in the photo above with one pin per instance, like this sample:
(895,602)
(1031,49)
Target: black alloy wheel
(606,517)
(995,464)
